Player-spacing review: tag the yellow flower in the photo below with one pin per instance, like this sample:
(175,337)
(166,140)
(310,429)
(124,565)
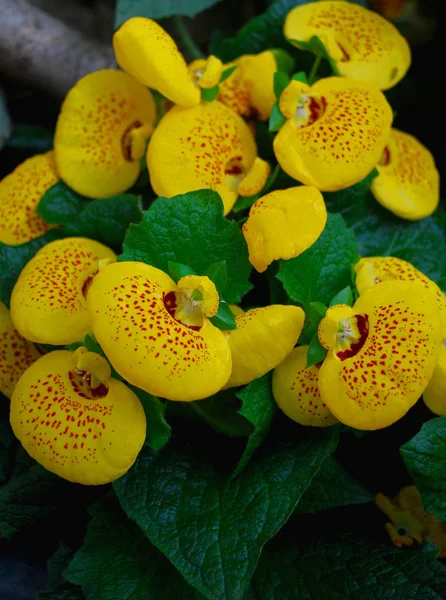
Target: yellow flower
(434,395)
(382,353)
(263,338)
(410,523)
(16,353)
(48,302)
(207,146)
(335,133)
(75,419)
(408,183)
(101,133)
(362,44)
(249,90)
(20,193)
(157,334)
(206,73)
(283,224)
(147,53)
(372,270)
(296,391)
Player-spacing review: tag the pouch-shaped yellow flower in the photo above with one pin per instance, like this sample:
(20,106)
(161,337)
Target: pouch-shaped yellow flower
(20,193)
(410,522)
(296,391)
(434,395)
(148,53)
(157,334)
(101,133)
(382,353)
(249,90)
(206,72)
(335,133)
(362,44)
(408,183)
(75,419)
(283,224)
(262,339)
(207,146)
(16,353)
(48,302)
(372,270)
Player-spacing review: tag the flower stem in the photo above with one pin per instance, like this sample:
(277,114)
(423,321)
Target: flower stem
(314,69)
(189,43)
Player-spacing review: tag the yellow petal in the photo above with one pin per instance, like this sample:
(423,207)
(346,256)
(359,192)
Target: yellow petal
(295,389)
(263,338)
(20,193)
(150,55)
(255,179)
(132,320)
(434,395)
(249,90)
(290,96)
(363,44)
(236,310)
(283,224)
(328,329)
(372,270)
(101,133)
(207,146)
(337,136)
(16,353)
(408,183)
(206,72)
(83,435)
(205,288)
(379,378)
(48,304)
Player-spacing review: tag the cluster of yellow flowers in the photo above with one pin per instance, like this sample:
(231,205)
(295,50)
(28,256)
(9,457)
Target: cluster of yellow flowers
(67,409)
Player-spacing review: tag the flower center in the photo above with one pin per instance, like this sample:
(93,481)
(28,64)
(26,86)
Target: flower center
(309,109)
(234,172)
(134,139)
(186,308)
(385,157)
(351,336)
(90,374)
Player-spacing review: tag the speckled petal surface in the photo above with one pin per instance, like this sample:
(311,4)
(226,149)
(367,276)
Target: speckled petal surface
(20,194)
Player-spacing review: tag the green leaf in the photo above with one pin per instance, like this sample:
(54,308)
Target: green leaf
(276,118)
(227,73)
(313,317)
(57,564)
(191,229)
(332,487)
(7,446)
(325,268)
(258,407)
(345,296)
(5,121)
(60,205)
(425,458)
(158,9)
(158,430)
(14,258)
(351,567)
(316,352)
(317,47)
(116,561)
(30,497)
(224,319)
(380,233)
(221,413)
(209,94)
(107,220)
(300,76)
(218,273)
(66,591)
(281,80)
(213,530)
(284,61)
(177,270)
(31,137)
